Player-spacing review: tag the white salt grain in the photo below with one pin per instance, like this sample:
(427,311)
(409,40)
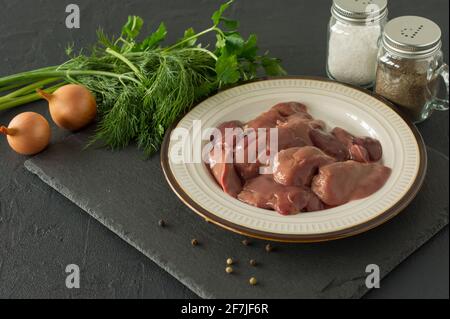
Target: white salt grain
(353,50)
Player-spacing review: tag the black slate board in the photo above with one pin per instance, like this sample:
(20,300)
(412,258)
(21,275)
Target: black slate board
(129,195)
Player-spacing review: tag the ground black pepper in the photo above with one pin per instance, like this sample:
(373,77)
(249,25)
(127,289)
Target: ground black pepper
(406,83)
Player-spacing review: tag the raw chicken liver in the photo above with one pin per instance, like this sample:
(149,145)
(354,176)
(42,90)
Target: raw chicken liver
(344,146)
(293,133)
(362,149)
(224,129)
(264,192)
(277,113)
(342,182)
(329,144)
(222,168)
(293,123)
(297,166)
(246,154)
(296,130)
(313,169)
(290,108)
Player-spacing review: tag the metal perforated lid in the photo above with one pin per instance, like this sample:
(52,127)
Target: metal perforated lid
(412,36)
(359,11)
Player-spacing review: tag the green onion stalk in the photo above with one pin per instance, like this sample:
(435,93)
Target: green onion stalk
(22,87)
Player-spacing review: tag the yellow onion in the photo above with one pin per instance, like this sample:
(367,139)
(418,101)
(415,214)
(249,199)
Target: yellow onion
(72,106)
(28,133)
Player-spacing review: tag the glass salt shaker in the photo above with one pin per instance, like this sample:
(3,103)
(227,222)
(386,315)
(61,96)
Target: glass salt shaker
(354,34)
(411,67)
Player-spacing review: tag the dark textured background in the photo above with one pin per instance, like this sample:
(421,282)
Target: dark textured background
(129,196)
(41,232)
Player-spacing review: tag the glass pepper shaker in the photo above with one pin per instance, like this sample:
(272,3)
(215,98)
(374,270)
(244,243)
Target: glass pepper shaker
(354,34)
(411,66)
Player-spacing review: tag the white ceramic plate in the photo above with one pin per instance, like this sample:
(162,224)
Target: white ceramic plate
(340,105)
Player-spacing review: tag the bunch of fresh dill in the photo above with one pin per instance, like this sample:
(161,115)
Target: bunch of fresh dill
(141,87)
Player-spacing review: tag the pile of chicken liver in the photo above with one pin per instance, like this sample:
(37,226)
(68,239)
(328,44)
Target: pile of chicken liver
(313,169)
